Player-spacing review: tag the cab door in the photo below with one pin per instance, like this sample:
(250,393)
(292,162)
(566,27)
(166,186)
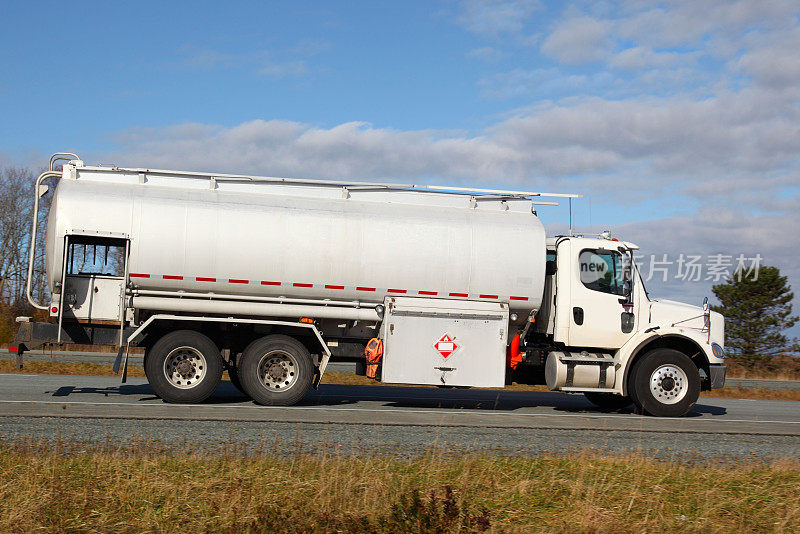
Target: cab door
(601,302)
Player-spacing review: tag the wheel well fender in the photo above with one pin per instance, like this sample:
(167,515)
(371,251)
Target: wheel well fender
(683,344)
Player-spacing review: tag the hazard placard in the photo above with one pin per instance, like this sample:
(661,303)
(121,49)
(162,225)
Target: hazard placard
(445,346)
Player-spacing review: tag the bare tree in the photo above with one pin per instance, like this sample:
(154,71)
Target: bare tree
(16,216)
(16,186)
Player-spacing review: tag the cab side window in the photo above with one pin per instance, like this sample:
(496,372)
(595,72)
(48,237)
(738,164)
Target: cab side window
(601,270)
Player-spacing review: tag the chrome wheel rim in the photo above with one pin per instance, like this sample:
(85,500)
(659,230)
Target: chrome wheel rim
(277,370)
(185,367)
(669,384)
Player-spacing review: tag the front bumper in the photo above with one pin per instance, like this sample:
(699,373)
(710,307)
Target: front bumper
(716,375)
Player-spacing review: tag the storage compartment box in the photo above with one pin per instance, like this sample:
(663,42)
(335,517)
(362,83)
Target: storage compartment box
(444,342)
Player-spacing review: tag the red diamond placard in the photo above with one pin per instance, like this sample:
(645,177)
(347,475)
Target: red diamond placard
(445,346)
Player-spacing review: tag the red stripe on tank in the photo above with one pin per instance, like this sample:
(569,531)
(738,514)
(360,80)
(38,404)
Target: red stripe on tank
(488,296)
(519,298)
(365,288)
(238,281)
(428,292)
(458,295)
(328,286)
(299,284)
(265,283)
(172,277)
(397,291)
(203,279)
(138,275)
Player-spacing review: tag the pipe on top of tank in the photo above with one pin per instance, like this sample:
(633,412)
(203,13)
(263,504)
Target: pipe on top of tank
(352,185)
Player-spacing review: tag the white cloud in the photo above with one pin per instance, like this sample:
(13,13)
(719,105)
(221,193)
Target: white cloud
(682,45)
(676,138)
(261,62)
(520,82)
(772,59)
(682,24)
(730,143)
(283,69)
(729,231)
(493,17)
(639,57)
(350,150)
(209,59)
(486,53)
(579,40)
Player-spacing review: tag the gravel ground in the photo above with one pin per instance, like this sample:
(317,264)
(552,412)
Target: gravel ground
(404,441)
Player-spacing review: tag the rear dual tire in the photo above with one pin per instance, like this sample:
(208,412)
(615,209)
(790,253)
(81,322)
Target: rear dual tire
(184,367)
(276,370)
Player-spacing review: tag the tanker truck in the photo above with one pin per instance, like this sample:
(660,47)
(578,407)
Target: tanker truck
(272,278)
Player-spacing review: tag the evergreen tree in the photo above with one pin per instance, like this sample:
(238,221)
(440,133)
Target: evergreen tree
(757,307)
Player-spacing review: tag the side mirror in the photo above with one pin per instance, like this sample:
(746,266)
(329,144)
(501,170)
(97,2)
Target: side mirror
(626,289)
(550,268)
(43,189)
(705,304)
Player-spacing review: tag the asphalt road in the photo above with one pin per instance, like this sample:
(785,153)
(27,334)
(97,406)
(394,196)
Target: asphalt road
(401,420)
(107,358)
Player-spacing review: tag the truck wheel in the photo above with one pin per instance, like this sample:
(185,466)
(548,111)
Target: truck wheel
(184,367)
(666,383)
(608,401)
(276,370)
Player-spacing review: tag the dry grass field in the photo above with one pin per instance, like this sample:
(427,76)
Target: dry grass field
(45,487)
(64,368)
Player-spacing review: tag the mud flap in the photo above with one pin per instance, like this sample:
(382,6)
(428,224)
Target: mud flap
(22,341)
(122,351)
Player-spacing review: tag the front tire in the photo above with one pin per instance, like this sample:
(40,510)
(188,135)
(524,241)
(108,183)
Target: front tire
(184,367)
(276,370)
(666,383)
(608,401)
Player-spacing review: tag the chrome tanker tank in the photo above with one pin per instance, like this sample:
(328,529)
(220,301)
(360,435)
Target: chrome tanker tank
(237,235)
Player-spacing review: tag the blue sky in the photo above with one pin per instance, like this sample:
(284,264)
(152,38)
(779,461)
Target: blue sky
(677,120)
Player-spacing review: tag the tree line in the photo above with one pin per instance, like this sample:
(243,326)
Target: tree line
(757,310)
(16,219)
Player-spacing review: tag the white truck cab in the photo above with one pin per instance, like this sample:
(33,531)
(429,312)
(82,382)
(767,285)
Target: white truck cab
(603,332)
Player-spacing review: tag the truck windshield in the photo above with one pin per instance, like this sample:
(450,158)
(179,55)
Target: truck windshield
(601,270)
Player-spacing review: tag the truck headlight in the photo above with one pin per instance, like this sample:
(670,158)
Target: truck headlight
(717,350)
